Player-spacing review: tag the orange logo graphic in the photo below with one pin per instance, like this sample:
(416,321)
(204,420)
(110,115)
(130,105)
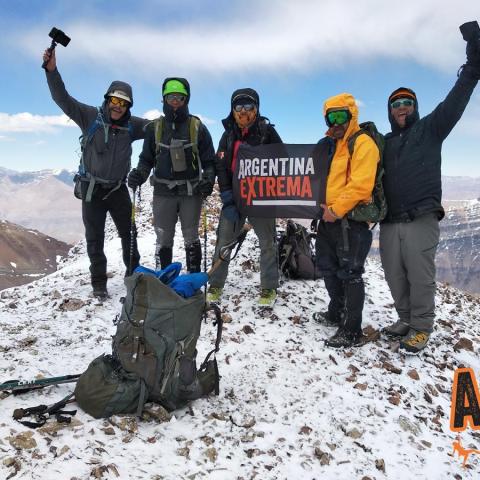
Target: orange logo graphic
(463,452)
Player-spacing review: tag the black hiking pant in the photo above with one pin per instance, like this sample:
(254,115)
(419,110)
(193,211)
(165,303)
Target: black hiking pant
(340,258)
(94,214)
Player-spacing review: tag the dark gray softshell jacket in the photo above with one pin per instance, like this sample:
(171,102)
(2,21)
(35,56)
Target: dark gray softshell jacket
(107,155)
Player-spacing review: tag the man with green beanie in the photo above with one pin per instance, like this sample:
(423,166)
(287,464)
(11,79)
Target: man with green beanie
(179,149)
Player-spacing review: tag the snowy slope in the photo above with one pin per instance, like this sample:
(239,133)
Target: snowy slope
(288,407)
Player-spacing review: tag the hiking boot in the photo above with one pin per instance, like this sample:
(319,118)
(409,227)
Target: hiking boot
(397,329)
(414,341)
(214,294)
(344,338)
(100,293)
(329,319)
(267,297)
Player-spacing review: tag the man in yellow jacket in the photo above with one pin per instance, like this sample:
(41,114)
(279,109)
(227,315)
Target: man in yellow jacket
(342,244)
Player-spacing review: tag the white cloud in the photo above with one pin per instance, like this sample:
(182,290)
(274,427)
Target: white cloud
(282,36)
(152,114)
(29,122)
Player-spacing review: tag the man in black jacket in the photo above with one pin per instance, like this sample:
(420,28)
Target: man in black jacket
(409,234)
(107,135)
(179,149)
(244,124)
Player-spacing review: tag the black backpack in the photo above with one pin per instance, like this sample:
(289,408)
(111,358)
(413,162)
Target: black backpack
(376,210)
(296,252)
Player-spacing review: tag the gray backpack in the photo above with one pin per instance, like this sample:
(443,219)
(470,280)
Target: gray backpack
(156,339)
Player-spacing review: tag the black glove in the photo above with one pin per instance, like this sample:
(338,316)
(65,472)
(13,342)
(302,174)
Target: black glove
(135,178)
(205,187)
(229,210)
(473,52)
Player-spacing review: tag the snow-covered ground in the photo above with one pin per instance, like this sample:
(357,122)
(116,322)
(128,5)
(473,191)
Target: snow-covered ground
(288,407)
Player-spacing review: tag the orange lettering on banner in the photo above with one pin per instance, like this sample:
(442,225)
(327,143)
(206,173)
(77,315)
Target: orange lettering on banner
(280,186)
(306,188)
(270,187)
(251,189)
(293,186)
(243,191)
(261,181)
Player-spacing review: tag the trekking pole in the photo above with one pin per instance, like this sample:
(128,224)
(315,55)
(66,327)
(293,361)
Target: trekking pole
(21,386)
(132,234)
(204,214)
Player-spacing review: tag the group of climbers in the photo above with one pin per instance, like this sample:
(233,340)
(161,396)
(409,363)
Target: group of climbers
(178,149)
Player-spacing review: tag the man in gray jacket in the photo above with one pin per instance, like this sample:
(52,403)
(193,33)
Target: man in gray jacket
(107,135)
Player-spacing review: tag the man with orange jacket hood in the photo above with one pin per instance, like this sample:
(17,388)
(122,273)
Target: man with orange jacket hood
(342,245)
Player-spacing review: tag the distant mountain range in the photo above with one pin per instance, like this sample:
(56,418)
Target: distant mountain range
(43,201)
(458,254)
(26,255)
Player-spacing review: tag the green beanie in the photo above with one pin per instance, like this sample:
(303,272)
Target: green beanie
(174,86)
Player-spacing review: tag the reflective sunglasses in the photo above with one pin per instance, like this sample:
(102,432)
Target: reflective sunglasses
(338,117)
(405,102)
(118,102)
(246,106)
(171,97)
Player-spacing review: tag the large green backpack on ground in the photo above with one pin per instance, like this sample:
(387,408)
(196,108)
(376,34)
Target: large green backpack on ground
(376,210)
(154,353)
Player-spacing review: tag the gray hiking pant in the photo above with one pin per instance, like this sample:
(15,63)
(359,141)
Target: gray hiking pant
(267,238)
(408,252)
(166,212)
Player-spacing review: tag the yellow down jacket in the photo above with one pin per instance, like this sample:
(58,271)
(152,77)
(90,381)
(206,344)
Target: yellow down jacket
(350,180)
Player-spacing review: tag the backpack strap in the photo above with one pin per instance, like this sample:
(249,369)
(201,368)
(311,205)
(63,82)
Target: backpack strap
(43,412)
(263,128)
(352,139)
(219,324)
(158,125)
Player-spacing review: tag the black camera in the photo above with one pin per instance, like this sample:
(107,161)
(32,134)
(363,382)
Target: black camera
(58,37)
(470,31)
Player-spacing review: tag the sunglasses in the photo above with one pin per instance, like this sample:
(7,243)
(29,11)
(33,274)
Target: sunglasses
(405,102)
(337,117)
(118,102)
(171,97)
(246,106)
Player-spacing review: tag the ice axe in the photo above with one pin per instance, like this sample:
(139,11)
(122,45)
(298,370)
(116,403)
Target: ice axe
(227,249)
(58,37)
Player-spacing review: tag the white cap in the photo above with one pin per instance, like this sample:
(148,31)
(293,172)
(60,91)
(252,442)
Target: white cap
(120,94)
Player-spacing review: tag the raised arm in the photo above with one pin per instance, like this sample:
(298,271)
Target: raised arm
(80,113)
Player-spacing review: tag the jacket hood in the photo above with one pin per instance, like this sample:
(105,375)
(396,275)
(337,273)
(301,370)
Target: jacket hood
(181,114)
(122,87)
(245,93)
(241,93)
(412,118)
(343,101)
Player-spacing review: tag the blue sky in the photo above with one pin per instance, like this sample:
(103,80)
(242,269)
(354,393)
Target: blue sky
(294,53)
